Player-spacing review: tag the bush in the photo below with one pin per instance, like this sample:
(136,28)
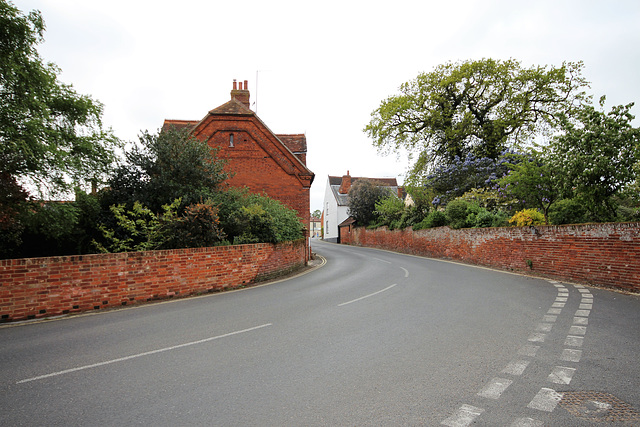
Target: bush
(252,218)
(390,211)
(434,219)
(567,211)
(456,213)
(527,217)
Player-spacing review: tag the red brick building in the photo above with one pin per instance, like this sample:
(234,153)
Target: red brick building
(256,157)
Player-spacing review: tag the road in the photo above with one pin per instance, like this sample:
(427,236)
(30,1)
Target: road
(372,338)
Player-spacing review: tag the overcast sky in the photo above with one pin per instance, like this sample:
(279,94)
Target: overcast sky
(318,68)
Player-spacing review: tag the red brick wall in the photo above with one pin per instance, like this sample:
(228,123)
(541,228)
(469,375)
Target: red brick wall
(601,254)
(39,287)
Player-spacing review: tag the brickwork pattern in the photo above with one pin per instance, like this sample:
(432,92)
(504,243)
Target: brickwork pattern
(599,254)
(38,287)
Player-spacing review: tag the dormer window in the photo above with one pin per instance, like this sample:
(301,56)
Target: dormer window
(231,140)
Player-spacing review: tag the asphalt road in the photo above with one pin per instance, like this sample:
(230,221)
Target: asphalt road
(370,338)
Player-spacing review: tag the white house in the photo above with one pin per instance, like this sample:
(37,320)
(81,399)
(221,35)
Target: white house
(336,201)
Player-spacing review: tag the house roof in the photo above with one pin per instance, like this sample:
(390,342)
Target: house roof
(343,199)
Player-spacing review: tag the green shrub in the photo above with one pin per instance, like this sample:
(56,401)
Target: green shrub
(435,218)
(567,211)
(456,213)
(389,211)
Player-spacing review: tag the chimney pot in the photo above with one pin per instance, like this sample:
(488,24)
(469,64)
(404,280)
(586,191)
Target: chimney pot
(345,185)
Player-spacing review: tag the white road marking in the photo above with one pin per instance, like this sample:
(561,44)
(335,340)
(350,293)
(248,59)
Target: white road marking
(583,313)
(558,304)
(571,355)
(495,388)
(544,327)
(516,367)
(561,299)
(586,306)
(561,375)
(382,260)
(573,341)
(406,272)
(463,416)
(580,320)
(546,400)
(578,330)
(537,337)
(529,350)
(146,353)
(554,311)
(549,318)
(367,296)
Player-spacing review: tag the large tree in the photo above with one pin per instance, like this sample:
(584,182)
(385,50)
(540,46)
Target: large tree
(478,107)
(163,167)
(597,152)
(49,134)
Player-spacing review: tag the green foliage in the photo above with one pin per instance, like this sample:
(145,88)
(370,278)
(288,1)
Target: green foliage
(435,218)
(478,107)
(50,136)
(568,211)
(363,196)
(456,213)
(527,217)
(389,211)
(198,227)
(252,218)
(597,153)
(137,230)
(535,181)
(163,167)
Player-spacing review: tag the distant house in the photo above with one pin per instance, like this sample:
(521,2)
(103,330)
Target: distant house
(336,201)
(257,158)
(316,227)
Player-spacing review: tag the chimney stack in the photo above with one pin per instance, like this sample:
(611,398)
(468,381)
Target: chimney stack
(345,185)
(241,93)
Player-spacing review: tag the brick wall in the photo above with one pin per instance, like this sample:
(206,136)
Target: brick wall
(600,254)
(38,287)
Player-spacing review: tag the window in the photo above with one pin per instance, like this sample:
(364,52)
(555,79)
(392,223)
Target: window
(231,140)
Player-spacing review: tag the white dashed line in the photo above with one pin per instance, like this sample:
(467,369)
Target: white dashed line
(573,341)
(537,337)
(580,321)
(516,367)
(561,375)
(367,296)
(583,313)
(528,350)
(495,388)
(546,400)
(578,330)
(146,353)
(463,416)
(544,327)
(571,355)
(406,272)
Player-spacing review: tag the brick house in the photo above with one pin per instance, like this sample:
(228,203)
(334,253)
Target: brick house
(256,157)
(336,199)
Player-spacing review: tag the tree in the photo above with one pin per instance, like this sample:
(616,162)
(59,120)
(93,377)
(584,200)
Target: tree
(479,107)
(535,181)
(597,152)
(50,135)
(362,199)
(163,167)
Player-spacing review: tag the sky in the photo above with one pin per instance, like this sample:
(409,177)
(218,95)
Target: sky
(319,68)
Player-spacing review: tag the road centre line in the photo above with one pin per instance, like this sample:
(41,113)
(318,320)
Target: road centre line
(146,353)
(367,296)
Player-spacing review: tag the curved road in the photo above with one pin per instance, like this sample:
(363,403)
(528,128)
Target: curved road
(370,338)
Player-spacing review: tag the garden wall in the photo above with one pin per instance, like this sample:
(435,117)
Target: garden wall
(38,287)
(600,254)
